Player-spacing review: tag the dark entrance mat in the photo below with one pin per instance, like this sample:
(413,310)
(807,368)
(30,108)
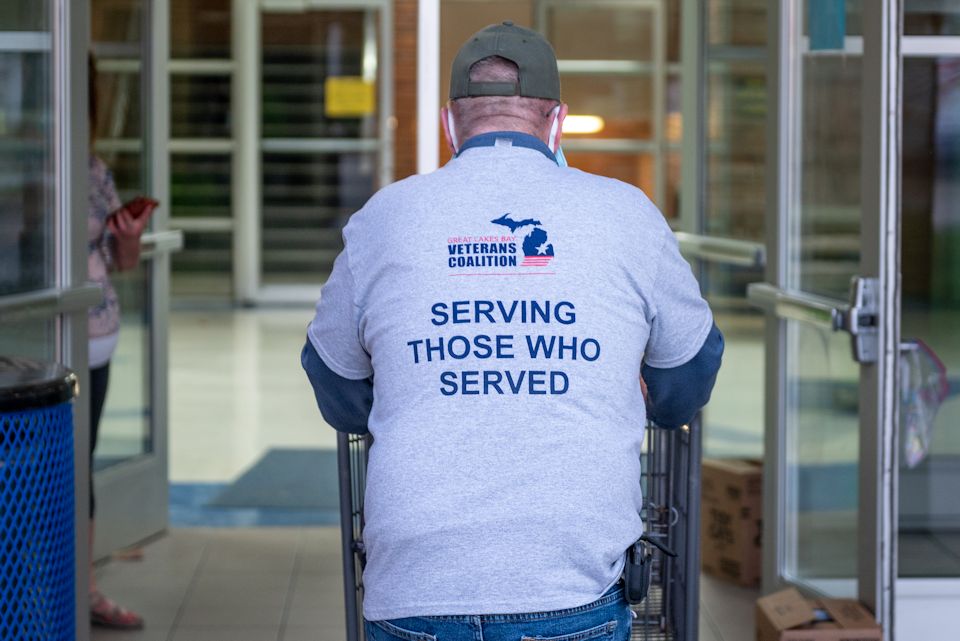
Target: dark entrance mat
(286,478)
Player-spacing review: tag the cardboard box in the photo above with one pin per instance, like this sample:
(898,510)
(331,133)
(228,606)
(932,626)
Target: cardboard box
(731,521)
(788,616)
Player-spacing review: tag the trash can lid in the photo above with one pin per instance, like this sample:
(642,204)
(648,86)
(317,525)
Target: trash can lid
(26,384)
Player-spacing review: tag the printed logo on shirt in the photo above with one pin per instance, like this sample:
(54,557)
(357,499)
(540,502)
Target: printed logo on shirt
(503,251)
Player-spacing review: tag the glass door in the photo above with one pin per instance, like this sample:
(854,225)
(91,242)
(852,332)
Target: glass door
(928,587)
(130,470)
(321,90)
(832,299)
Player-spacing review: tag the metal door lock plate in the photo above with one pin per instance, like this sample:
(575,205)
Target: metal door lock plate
(861,320)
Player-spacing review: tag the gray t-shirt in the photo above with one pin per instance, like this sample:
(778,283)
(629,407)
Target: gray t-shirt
(503,306)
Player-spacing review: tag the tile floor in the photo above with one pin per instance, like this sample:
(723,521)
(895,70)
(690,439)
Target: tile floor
(260,584)
(285,584)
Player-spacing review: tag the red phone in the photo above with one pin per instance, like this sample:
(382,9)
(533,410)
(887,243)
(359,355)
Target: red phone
(140,206)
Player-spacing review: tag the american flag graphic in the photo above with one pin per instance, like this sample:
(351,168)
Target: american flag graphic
(536,261)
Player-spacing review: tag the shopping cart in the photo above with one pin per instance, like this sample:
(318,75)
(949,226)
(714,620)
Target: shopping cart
(671,485)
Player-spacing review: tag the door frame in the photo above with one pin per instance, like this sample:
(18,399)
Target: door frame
(880,247)
(246,102)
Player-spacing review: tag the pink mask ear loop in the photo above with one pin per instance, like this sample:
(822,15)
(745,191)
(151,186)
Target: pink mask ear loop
(453,132)
(553,129)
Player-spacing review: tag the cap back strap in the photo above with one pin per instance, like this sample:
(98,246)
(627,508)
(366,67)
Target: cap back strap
(493,89)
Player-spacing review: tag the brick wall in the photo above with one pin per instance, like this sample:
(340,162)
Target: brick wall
(405,87)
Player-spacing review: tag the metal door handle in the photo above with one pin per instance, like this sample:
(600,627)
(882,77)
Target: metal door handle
(859,317)
(726,251)
(826,313)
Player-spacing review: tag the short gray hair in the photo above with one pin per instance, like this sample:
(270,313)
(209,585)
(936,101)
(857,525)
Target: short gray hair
(480,114)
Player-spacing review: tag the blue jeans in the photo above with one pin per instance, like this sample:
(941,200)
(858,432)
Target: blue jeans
(606,619)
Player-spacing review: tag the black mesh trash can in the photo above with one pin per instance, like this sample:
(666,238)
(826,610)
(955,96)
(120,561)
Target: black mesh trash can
(37,542)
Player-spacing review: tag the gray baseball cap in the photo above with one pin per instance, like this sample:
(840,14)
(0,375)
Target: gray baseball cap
(539,77)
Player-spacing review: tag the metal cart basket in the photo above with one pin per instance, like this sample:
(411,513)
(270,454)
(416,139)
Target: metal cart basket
(671,489)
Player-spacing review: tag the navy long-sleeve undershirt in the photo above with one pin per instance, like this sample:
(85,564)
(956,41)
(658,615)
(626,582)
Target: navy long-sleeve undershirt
(344,403)
(675,395)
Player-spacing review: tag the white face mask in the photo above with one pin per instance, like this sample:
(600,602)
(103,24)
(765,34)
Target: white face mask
(561,159)
(453,132)
(552,143)
(552,139)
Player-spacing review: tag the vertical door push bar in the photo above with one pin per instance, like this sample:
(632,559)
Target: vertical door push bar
(859,317)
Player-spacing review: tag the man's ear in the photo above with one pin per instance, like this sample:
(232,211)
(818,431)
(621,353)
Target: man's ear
(451,136)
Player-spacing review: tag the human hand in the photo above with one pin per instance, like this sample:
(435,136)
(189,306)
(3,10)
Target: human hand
(131,220)
(643,389)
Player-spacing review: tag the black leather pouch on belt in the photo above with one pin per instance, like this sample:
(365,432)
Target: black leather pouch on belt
(638,571)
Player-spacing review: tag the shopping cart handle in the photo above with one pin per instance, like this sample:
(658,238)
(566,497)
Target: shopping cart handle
(657,544)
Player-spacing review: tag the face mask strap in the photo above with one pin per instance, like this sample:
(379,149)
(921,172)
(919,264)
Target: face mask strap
(551,143)
(453,132)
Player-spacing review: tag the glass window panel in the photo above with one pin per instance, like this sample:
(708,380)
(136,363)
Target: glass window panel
(673,126)
(24,15)
(200,186)
(203,253)
(931,18)
(30,338)
(591,32)
(202,29)
(737,23)
(734,419)
(203,269)
(125,426)
(736,150)
(117,22)
(307,199)
(200,106)
(827,248)
(27,223)
(302,50)
(633,168)
(930,246)
(625,103)
(671,200)
(674,29)
(821,453)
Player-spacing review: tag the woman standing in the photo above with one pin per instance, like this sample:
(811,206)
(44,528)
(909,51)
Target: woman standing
(113,234)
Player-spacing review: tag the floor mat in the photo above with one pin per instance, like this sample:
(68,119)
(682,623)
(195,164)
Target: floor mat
(286,478)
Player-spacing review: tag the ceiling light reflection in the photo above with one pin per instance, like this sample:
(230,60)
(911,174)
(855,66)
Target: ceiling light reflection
(578,124)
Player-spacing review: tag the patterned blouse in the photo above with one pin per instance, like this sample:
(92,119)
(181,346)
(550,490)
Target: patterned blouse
(104,318)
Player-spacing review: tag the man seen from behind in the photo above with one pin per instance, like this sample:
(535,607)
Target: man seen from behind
(489,324)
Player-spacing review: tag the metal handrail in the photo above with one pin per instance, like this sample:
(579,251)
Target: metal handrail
(49,302)
(320,145)
(160,242)
(722,250)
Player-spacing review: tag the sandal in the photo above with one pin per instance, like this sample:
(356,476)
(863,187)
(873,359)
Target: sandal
(107,614)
